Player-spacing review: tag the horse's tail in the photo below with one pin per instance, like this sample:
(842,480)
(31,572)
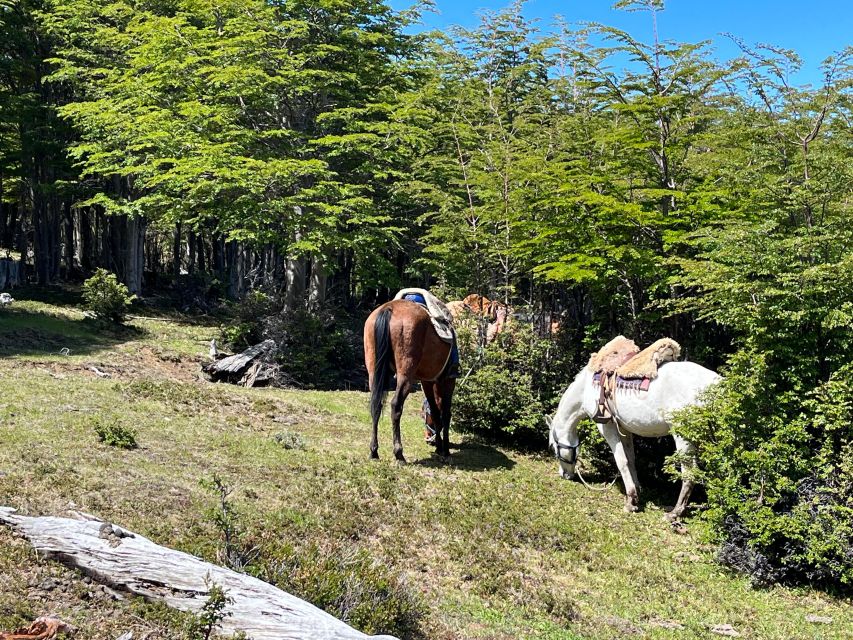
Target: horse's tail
(381,362)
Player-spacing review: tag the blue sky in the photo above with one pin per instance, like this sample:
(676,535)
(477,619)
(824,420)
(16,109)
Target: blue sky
(814,29)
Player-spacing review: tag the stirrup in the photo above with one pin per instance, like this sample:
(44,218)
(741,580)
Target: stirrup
(602,414)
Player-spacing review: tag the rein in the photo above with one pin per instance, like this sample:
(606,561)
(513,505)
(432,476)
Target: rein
(591,488)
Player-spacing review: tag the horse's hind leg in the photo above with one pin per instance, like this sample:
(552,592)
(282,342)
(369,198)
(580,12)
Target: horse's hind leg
(444,397)
(687,453)
(403,388)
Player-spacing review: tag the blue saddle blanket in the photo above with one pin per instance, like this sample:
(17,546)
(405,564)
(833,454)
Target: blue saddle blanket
(416,297)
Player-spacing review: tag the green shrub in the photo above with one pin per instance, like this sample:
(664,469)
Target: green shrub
(513,382)
(317,351)
(248,326)
(105,297)
(777,462)
(290,440)
(213,612)
(351,585)
(115,434)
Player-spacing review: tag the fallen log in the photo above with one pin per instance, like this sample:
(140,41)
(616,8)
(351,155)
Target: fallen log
(129,562)
(234,368)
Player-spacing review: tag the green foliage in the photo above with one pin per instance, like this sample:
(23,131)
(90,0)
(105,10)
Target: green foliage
(776,465)
(247,328)
(351,585)
(203,625)
(316,351)
(513,382)
(236,551)
(106,297)
(115,434)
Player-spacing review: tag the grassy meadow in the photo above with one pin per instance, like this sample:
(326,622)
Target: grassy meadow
(491,545)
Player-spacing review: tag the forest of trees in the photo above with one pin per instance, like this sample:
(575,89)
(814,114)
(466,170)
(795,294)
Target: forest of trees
(323,152)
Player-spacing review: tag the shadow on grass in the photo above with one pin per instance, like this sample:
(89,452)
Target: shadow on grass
(57,296)
(31,333)
(470,456)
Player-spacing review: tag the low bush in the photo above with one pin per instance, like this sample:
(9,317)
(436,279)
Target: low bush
(105,297)
(351,585)
(319,350)
(778,468)
(247,328)
(510,385)
(115,434)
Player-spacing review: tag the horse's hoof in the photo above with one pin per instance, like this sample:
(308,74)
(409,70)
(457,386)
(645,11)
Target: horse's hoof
(631,508)
(374,455)
(401,462)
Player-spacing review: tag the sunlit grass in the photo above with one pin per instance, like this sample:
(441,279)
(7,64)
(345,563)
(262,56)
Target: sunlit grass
(494,544)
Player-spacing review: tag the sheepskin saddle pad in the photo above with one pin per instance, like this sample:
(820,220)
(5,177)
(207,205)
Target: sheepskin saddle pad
(634,369)
(438,312)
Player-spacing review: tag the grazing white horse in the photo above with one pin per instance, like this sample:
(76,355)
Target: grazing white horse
(642,413)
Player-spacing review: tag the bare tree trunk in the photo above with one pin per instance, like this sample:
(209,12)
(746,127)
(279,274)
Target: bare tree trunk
(21,233)
(200,252)
(218,246)
(135,253)
(4,216)
(234,266)
(68,219)
(294,280)
(85,240)
(191,252)
(317,288)
(177,249)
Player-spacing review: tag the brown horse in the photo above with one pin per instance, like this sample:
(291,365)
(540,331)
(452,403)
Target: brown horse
(399,337)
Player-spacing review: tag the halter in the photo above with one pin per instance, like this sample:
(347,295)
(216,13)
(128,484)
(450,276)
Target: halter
(559,446)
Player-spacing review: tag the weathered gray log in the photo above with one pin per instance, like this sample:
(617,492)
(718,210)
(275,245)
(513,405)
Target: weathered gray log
(232,368)
(130,562)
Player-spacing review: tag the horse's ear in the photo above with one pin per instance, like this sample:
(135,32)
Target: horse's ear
(548,421)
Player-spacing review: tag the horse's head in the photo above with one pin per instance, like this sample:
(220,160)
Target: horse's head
(565,452)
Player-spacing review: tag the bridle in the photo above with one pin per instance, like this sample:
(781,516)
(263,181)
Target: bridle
(558,453)
(559,447)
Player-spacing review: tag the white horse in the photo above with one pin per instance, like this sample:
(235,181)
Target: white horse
(642,413)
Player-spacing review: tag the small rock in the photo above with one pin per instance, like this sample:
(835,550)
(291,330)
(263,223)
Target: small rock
(625,627)
(48,584)
(126,636)
(112,593)
(665,624)
(818,619)
(725,630)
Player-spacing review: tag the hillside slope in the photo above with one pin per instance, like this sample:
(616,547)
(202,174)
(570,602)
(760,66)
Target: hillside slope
(492,545)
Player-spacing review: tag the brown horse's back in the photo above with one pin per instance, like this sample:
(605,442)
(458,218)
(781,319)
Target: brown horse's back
(419,354)
(400,336)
